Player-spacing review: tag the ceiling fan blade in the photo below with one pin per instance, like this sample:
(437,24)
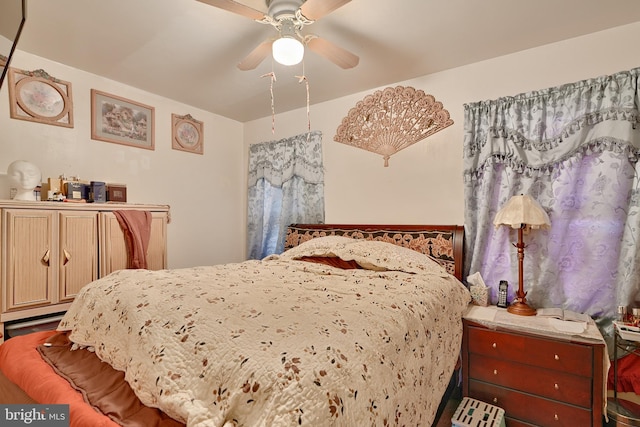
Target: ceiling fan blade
(316,9)
(237,8)
(256,56)
(339,56)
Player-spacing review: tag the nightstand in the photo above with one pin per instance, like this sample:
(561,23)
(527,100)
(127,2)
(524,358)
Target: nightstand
(538,375)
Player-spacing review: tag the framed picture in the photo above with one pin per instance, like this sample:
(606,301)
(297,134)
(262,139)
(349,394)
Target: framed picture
(38,97)
(121,121)
(187,134)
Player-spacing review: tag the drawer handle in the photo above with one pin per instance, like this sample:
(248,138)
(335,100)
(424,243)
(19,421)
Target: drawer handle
(495,372)
(556,386)
(45,258)
(67,257)
(495,400)
(494,345)
(555,417)
(556,357)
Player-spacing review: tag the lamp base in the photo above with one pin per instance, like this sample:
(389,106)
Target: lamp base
(521,309)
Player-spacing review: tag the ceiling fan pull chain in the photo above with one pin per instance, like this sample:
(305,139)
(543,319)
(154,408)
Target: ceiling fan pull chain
(272,75)
(306,82)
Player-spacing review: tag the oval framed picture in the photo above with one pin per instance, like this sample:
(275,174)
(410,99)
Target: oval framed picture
(38,97)
(187,134)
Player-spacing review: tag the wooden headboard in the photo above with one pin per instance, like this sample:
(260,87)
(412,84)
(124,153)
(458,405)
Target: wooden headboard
(444,243)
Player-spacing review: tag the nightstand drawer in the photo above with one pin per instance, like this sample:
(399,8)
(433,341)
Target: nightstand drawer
(545,353)
(554,385)
(529,408)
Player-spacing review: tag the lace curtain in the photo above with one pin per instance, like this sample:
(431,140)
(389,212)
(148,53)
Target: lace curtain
(574,149)
(286,185)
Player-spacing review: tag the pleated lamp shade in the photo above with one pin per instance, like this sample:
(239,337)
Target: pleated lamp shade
(521,211)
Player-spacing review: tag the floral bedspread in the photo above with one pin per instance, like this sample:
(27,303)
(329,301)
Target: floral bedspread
(282,342)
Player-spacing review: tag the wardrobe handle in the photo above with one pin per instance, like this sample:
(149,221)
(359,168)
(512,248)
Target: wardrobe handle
(45,258)
(67,257)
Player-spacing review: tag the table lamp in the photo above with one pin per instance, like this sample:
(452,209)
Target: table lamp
(524,213)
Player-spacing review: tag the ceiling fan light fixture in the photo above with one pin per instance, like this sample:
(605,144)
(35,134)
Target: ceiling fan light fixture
(288,50)
(289,18)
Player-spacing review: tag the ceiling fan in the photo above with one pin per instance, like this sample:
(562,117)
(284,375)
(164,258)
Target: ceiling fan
(289,17)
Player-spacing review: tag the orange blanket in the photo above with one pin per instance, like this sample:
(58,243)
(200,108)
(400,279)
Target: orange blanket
(22,364)
(136,226)
(102,386)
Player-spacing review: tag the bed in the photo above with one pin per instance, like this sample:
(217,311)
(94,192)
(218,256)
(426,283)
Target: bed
(351,325)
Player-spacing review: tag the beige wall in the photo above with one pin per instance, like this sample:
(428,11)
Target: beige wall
(423,183)
(205,192)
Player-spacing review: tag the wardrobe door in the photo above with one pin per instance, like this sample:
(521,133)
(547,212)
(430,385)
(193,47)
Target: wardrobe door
(113,246)
(78,251)
(157,252)
(29,255)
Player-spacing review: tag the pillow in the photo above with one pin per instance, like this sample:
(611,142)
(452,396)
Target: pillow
(319,246)
(369,254)
(381,256)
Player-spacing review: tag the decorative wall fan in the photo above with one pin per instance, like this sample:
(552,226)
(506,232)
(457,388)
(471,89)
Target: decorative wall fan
(391,120)
(289,17)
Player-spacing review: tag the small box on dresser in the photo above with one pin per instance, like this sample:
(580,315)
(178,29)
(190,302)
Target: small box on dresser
(117,193)
(98,192)
(539,379)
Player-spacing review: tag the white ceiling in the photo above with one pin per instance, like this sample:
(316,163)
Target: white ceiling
(187,50)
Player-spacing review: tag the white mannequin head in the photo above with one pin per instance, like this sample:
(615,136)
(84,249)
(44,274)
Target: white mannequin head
(24,177)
